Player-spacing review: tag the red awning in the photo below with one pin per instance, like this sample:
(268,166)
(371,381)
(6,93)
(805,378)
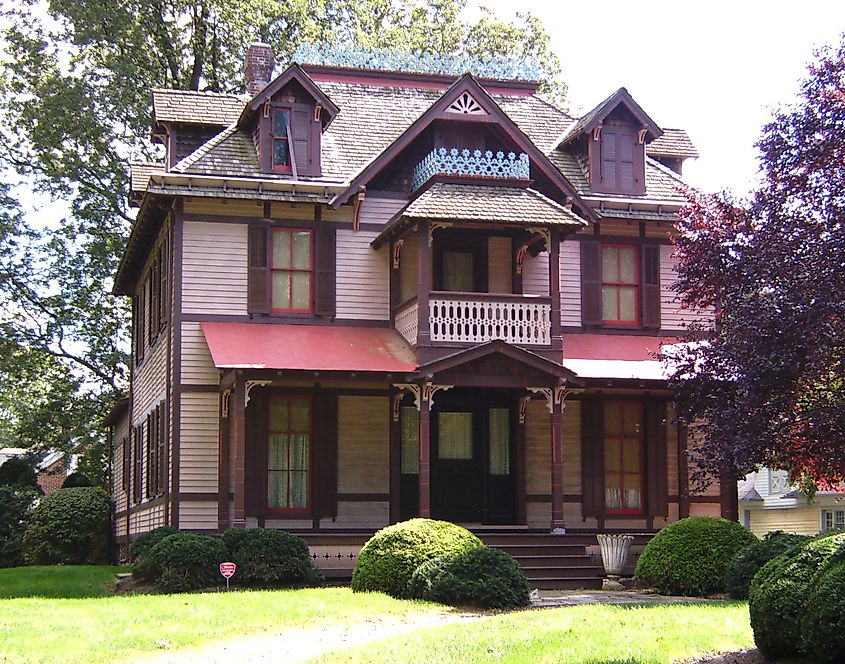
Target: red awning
(307,347)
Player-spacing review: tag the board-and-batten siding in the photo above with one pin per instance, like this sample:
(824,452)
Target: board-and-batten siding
(214,268)
(362,286)
(499,260)
(197,366)
(673,317)
(535,280)
(198,448)
(379,210)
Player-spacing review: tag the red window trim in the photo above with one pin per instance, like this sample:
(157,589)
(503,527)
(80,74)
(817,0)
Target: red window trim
(288,137)
(309,499)
(291,270)
(639,406)
(619,284)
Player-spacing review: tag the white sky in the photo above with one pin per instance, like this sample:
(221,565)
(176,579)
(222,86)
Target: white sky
(714,68)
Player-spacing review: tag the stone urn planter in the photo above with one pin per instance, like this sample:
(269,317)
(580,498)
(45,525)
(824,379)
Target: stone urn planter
(614,553)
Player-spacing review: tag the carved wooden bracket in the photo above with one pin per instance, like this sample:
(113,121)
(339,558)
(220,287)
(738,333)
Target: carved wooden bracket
(359,203)
(224,407)
(523,407)
(520,257)
(546,234)
(553,395)
(397,250)
(251,384)
(641,136)
(597,133)
(429,390)
(437,226)
(318,110)
(412,389)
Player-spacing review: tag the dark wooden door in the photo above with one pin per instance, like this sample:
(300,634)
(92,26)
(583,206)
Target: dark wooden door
(499,478)
(456,482)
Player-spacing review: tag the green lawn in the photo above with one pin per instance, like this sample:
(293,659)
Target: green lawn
(67,581)
(583,634)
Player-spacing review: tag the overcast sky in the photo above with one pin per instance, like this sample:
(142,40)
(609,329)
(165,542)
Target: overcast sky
(714,68)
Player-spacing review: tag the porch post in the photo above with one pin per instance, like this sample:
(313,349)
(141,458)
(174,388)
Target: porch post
(395,454)
(557,465)
(239,465)
(223,462)
(424,253)
(554,287)
(425,455)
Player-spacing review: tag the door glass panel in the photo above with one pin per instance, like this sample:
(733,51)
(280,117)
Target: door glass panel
(410,422)
(500,452)
(458,271)
(455,435)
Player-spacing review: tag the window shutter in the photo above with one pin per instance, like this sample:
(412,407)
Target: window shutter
(625,141)
(609,157)
(656,458)
(651,285)
(591,283)
(258,278)
(324,304)
(592,458)
(127,469)
(301,120)
(324,475)
(164,264)
(148,451)
(136,464)
(255,471)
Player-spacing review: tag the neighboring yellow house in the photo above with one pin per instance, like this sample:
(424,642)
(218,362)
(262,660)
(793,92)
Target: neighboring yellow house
(767,502)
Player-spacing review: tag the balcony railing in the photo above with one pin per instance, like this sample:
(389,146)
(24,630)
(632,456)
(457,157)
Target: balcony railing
(471,163)
(479,317)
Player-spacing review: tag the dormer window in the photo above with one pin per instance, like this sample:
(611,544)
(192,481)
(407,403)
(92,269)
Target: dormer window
(620,158)
(280,135)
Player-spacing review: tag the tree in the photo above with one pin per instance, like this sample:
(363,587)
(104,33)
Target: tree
(768,388)
(74,96)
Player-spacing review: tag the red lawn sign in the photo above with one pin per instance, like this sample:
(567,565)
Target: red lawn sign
(228,571)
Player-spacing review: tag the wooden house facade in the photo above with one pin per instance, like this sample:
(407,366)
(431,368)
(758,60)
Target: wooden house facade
(361,296)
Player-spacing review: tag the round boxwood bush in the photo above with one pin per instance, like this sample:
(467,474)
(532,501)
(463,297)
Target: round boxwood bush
(142,566)
(691,556)
(16,503)
(823,619)
(76,479)
(186,561)
(70,526)
(390,557)
(746,564)
(482,577)
(779,592)
(269,557)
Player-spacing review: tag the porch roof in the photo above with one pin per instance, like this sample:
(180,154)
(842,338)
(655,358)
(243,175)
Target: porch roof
(307,347)
(616,356)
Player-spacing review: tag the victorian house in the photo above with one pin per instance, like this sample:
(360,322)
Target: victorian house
(365,294)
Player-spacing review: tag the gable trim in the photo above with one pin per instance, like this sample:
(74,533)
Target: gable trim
(293,73)
(596,116)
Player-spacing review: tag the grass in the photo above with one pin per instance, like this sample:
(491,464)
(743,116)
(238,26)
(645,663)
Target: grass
(597,634)
(66,581)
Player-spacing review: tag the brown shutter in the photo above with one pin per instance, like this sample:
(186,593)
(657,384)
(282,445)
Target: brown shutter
(592,457)
(124,446)
(300,126)
(162,450)
(136,464)
(255,466)
(258,286)
(324,272)
(609,157)
(651,285)
(591,283)
(626,146)
(656,458)
(325,455)
(148,452)
(164,264)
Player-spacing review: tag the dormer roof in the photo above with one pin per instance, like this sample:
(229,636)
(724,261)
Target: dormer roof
(596,116)
(293,73)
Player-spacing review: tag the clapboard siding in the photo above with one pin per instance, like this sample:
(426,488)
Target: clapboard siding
(409,267)
(363,445)
(223,207)
(197,366)
(150,380)
(804,520)
(198,448)
(571,434)
(214,268)
(499,261)
(145,520)
(535,274)
(377,210)
(538,445)
(570,283)
(198,515)
(672,451)
(673,317)
(363,290)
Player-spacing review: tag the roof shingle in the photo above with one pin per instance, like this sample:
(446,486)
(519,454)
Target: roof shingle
(673,143)
(191,107)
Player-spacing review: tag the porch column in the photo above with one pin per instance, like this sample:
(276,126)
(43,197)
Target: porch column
(395,454)
(554,287)
(557,465)
(423,254)
(239,465)
(425,454)
(223,462)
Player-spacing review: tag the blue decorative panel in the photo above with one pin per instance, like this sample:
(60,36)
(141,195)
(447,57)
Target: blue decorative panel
(472,163)
(493,66)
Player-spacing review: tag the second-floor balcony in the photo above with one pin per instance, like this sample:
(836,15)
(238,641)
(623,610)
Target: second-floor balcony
(479,317)
(471,163)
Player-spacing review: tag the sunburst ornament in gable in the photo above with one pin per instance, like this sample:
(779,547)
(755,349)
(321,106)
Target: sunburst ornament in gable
(466,105)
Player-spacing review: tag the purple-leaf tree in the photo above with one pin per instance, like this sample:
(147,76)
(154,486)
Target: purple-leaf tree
(767,388)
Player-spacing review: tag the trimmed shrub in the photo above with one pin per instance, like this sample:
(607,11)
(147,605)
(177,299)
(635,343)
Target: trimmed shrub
(186,561)
(691,556)
(779,592)
(392,555)
(483,577)
(823,619)
(19,471)
(70,526)
(142,566)
(269,557)
(16,503)
(746,564)
(76,479)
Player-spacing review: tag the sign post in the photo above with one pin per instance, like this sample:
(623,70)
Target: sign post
(228,571)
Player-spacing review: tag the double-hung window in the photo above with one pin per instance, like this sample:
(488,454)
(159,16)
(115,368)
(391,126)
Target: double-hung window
(291,270)
(619,284)
(289,454)
(281,139)
(833,519)
(623,458)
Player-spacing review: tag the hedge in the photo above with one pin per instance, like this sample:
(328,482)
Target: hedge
(748,563)
(269,557)
(16,503)
(823,619)
(186,561)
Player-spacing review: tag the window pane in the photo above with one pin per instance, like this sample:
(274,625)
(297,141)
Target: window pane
(281,120)
(410,422)
(612,494)
(299,419)
(631,420)
(609,265)
(839,520)
(299,452)
(609,302)
(301,296)
(281,152)
(458,271)
(455,435)
(631,498)
(612,454)
(298,490)
(627,303)
(500,457)
(281,290)
(278,415)
(302,250)
(281,249)
(628,264)
(278,452)
(631,456)
(612,419)
(277,489)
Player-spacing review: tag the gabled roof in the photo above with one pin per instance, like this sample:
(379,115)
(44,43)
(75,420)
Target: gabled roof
(597,115)
(673,143)
(192,107)
(293,73)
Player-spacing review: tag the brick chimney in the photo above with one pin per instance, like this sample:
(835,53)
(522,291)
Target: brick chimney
(258,67)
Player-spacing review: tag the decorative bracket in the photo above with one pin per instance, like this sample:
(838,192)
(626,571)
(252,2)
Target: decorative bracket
(641,136)
(251,384)
(359,203)
(411,388)
(397,250)
(520,257)
(437,226)
(546,234)
(523,407)
(224,407)
(553,395)
(429,390)
(597,133)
